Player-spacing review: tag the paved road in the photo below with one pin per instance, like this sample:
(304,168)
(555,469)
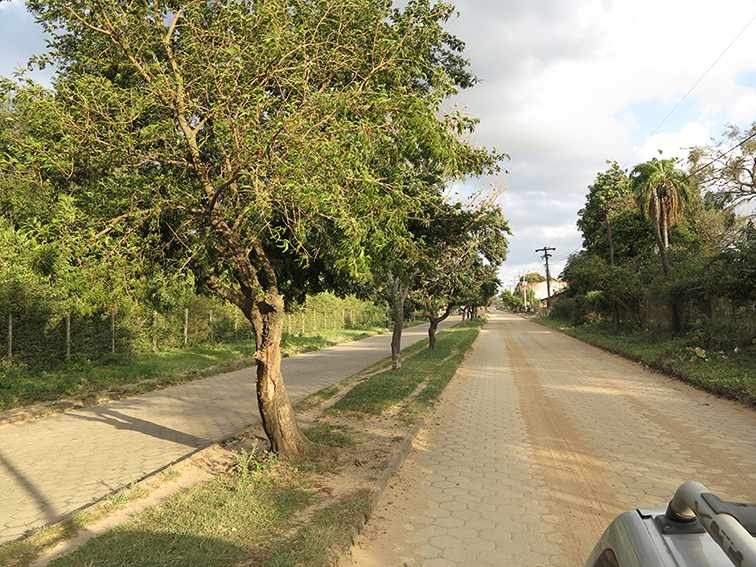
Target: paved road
(60,463)
(538,443)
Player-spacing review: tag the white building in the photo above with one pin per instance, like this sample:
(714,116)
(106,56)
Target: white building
(540,291)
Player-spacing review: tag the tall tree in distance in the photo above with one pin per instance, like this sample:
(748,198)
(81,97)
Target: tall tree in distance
(252,143)
(609,195)
(662,190)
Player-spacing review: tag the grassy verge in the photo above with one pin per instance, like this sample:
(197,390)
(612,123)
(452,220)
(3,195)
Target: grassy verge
(433,369)
(268,513)
(729,374)
(141,372)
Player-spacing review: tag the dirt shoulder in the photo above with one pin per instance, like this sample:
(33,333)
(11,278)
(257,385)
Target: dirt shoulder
(730,374)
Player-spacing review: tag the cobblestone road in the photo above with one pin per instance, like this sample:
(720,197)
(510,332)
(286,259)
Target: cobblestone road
(60,463)
(538,443)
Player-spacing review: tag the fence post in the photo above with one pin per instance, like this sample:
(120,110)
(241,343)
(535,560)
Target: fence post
(288,323)
(302,321)
(113,330)
(68,336)
(154,331)
(10,337)
(212,331)
(186,326)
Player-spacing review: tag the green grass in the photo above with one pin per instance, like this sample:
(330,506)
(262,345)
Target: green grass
(22,553)
(141,372)
(219,523)
(247,517)
(330,435)
(729,374)
(329,531)
(433,367)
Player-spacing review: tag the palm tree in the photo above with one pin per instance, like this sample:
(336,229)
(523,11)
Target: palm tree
(662,191)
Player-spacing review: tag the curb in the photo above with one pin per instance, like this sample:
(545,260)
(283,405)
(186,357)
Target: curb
(395,463)
(345,559)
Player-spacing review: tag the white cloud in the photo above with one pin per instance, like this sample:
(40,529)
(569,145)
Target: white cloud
(675,144)
(566,85)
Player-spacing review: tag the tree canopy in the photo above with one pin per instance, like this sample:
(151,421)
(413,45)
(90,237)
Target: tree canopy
(263,149)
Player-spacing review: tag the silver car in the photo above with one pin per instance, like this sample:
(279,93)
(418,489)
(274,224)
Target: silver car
(698,529)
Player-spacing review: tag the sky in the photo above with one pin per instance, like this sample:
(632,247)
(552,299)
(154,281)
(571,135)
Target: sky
(564,86)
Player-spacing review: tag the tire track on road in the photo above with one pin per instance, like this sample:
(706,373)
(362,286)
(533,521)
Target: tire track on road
(576,477)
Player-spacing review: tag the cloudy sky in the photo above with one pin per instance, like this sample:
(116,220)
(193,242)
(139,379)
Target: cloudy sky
(568,84)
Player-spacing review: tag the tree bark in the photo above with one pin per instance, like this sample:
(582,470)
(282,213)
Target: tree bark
(432,328)
(433,322)
(276,411)
(610,239)
(399,292)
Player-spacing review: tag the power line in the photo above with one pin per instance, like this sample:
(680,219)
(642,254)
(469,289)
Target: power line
(701,78)
(736,146)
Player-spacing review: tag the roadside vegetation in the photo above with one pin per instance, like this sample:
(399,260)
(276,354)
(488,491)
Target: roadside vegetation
(225,162)
(667,273)
(424,375)
(258,509)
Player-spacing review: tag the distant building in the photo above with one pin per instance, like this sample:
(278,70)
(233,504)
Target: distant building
(534,294)
(540,290)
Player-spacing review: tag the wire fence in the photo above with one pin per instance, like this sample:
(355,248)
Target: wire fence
(36,337)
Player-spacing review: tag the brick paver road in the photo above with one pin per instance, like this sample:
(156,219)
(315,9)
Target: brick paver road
(58,464)
(538,443)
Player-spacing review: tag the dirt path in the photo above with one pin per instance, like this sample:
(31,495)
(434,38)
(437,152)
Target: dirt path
(538,443)
(57,464)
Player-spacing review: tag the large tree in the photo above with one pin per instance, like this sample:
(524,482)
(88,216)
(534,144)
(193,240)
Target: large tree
(662,190)
(254,143)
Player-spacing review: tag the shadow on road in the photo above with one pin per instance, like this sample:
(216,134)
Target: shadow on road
(43,504)
(123,421)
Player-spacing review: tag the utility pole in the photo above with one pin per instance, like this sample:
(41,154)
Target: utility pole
(546,257)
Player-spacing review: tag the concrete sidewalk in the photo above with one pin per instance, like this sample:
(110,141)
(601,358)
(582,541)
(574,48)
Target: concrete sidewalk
(58,464)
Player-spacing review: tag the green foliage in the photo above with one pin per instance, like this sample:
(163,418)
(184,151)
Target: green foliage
(462,248)
(217,139)
(533,277)
(511,300)
(608,196)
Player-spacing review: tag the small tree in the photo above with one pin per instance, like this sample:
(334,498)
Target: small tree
(729,179)
(461,247)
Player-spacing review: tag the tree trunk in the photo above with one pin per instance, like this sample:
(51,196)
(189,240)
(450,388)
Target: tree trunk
(433,323)
(276,411)
(610,239)
(662,248)
(432,328)
(398,296)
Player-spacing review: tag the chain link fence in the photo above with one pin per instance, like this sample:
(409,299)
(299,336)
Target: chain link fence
(36,337)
